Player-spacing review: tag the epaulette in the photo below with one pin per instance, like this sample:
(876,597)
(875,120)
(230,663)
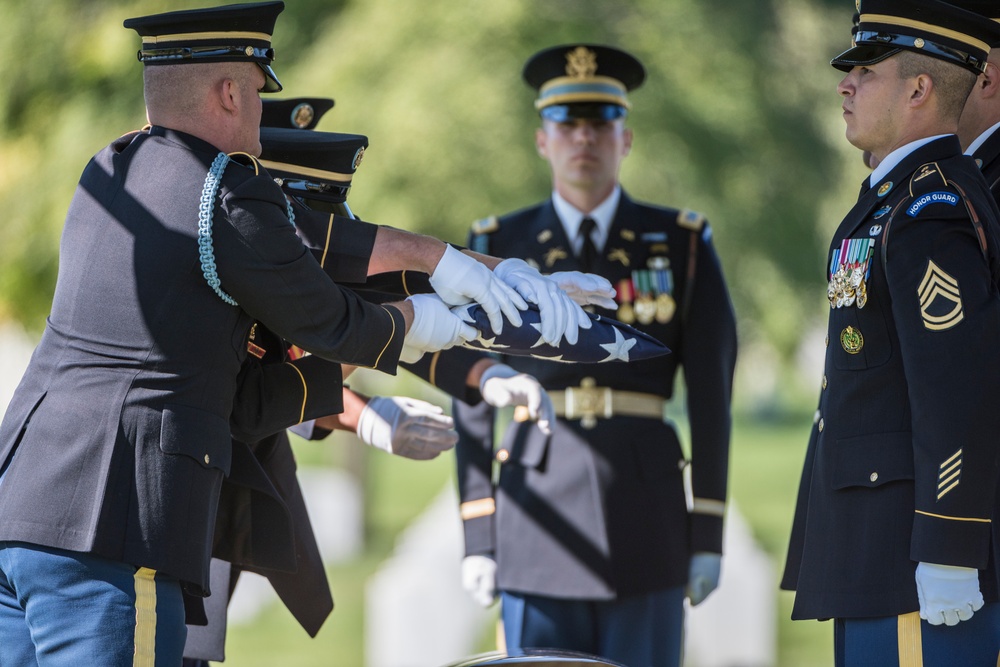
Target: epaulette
(486,225)
(246,160)
(690,220)
(927,176)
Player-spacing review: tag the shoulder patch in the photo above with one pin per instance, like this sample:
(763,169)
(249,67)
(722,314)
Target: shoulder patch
(246,160)
(690,220)
(486,225)
(927,176)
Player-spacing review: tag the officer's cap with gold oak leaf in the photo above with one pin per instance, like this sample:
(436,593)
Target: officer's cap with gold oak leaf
(583,81)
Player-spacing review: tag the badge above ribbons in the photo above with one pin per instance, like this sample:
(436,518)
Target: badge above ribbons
(606,340)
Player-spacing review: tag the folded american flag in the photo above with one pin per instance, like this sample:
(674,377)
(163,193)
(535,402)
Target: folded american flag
(607,340)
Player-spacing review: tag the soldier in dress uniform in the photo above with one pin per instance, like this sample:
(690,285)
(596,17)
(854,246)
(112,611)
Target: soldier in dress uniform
(115,445)
(980,120)
(587,534)
(895,527)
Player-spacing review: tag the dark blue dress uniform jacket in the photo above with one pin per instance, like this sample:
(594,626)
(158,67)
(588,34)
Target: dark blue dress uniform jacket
(902,461)
(600,513)
(118,437)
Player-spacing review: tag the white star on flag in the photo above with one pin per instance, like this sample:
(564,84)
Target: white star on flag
(618,349)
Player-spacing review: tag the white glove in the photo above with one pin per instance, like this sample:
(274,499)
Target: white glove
(502,386)
(406,427)
(586,289)
(703,576)
(459,279)
(479,578)
(560,316)
(947,593)
(434,327)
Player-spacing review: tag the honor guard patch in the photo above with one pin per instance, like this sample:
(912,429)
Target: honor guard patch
(920,202)
(690,220)
(949,474)
(940,299)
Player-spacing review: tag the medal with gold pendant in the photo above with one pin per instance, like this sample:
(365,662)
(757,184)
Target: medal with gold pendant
(626,313)
(645,306)
(663,285)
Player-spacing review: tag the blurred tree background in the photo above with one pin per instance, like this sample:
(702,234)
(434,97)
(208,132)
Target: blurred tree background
(738,119)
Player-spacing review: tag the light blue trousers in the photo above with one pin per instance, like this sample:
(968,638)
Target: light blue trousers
(65,609)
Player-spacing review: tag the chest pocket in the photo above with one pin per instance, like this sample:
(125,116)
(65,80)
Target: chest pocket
(859,337)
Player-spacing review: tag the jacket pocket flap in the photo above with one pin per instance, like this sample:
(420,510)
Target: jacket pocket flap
(873,460)
(201,435)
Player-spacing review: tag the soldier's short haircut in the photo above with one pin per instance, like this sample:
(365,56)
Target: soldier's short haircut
(181,88)
(952,82)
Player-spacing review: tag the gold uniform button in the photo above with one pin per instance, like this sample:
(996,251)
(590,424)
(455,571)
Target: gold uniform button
(503,455)
(824,382)
(208,459)
(821,425)
(873,477)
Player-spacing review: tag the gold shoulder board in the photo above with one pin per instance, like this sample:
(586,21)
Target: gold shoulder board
(690,220)
(486,225)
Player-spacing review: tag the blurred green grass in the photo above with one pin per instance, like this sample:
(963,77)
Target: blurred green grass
(764,473)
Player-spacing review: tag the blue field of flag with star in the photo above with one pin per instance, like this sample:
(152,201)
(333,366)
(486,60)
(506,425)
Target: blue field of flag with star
(607,340)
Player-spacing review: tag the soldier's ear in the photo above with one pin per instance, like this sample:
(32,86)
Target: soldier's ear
(627,139)
(988,82)
(541,139)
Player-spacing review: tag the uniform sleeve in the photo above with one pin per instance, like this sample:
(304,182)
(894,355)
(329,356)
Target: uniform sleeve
(947,315)
(474,459)
(709,358)
(342,246)
(447,370)
(264,266)
(274,396)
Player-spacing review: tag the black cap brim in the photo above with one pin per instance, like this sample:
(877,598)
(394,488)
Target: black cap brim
(271,83)
(863,54)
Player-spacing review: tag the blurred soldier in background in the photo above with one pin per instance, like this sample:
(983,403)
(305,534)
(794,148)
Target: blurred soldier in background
(894,527)
(587,533)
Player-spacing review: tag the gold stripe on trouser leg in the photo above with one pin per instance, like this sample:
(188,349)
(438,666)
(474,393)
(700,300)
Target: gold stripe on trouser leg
(145,618)
(911,653)
(502,639)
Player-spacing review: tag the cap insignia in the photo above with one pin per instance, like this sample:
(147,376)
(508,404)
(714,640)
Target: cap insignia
(302,115)
(581,63)
(357,158)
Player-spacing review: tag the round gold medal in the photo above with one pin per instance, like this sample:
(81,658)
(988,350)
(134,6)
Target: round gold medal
(665,307)
(645,310)
(625,313)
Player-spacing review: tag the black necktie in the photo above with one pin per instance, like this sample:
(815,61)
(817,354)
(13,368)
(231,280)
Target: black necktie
(588,251)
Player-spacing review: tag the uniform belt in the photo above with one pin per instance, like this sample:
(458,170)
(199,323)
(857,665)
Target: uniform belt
(588,403)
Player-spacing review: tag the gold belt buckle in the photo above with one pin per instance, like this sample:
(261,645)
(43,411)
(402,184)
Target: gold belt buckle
(588,402)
